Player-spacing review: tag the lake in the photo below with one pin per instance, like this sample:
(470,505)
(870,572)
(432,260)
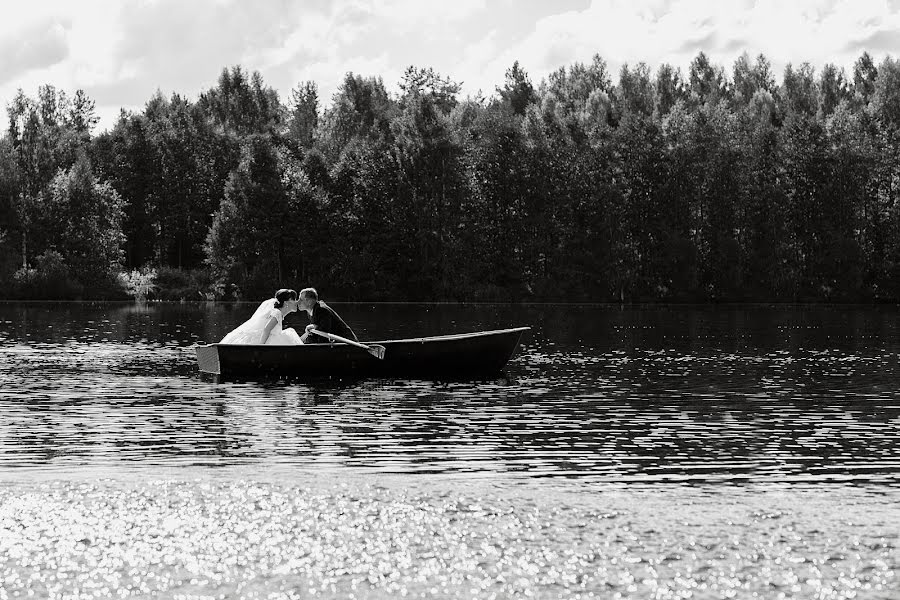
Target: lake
(664,452)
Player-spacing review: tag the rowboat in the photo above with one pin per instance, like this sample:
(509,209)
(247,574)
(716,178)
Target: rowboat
(459,355)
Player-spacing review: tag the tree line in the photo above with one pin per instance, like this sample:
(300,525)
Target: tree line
(661,186)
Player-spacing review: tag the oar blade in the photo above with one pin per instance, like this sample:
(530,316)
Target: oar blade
(377,350)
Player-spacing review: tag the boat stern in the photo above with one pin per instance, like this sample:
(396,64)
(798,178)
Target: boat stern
(208,359)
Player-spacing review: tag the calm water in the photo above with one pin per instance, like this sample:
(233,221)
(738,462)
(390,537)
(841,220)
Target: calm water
(654,453)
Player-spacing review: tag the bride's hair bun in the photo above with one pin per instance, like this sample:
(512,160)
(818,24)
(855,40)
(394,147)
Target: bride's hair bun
(283,295)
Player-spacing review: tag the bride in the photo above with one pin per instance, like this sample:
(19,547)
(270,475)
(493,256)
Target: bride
(264,327)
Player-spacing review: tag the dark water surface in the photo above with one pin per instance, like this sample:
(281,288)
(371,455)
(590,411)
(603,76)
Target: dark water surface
(660,452)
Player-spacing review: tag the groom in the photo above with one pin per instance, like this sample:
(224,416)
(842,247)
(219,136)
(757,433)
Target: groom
(323,318)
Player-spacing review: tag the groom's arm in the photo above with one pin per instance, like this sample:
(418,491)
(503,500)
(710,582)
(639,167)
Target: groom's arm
(324,321)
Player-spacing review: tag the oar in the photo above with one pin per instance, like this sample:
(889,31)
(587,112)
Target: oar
(376,350)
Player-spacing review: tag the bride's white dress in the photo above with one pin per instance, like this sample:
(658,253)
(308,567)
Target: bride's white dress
(251,330)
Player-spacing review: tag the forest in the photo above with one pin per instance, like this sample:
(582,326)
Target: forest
(646,185)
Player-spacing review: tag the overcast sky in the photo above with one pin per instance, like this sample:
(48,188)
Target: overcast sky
(120,52)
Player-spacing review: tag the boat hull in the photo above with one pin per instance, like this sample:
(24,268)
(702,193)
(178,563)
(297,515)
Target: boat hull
(471,354)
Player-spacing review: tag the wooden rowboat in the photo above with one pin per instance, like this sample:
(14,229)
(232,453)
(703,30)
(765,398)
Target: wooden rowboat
(467,354)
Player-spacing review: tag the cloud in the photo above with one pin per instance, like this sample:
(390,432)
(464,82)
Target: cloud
(37,46)
(369,38)
(674,31)
(734,46)
(703,42)
(129,93)
(121,53)
(879,41)
(406,15)
(182,46)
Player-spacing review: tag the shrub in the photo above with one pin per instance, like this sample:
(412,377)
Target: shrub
(49,280)
(139,284)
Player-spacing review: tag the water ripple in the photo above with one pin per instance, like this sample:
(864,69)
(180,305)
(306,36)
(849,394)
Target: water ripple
(659,453)
(214,538)
(658,414)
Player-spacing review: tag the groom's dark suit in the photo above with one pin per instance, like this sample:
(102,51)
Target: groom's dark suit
(325,319)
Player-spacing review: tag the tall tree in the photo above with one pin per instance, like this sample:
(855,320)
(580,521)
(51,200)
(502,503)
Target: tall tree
(304,114)
(429,178)
(242,103)
(799,93)
(803,176)
(573,87)
(750,78)
(886,94)
(669,89)
(864,75)
(635,93)
(832,90)
(762,218)
(253,236)
(846,189)
(46,133)
(491,212)
(183,195)
(123,156)
(706,81)
(517,92)
(9,201)
(427,85)
(88,218)
(642,174)
(361,108)
(706,173)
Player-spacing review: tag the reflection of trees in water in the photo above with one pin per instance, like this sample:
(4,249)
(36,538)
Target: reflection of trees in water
(593,390)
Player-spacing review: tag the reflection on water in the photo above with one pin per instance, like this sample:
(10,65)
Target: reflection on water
(655,452)
(231,538)
(753,394)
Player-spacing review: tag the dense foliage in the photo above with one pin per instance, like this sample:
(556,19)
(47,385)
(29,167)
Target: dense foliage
(657,187)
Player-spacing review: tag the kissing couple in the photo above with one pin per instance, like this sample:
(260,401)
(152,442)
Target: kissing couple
(266,324)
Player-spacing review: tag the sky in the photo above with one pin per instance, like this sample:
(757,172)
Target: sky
(121,52)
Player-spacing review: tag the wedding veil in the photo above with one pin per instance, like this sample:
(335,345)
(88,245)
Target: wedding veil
(248,331)
(260,317)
